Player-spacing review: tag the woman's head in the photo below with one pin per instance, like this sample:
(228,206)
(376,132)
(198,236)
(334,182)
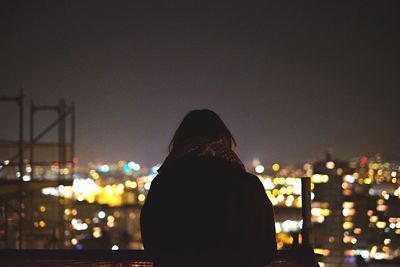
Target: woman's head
(201,123)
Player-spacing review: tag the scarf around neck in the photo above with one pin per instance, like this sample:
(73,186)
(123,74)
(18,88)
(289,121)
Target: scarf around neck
(204,147)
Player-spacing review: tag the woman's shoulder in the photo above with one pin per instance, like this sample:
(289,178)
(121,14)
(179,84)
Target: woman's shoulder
(252,180)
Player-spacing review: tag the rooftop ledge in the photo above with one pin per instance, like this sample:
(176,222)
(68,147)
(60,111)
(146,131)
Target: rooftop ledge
(121,258)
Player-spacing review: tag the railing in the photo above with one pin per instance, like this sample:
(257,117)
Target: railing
(299,256)
(104,258)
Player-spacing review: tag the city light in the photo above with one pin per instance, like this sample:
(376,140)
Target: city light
(112,189)
(259,169)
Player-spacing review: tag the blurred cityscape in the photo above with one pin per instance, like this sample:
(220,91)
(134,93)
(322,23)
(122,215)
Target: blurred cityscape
(48,200)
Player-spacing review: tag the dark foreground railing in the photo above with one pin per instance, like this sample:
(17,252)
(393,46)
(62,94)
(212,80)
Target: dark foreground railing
(102,258)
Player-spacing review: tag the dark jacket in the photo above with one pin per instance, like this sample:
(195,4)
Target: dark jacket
(206,212)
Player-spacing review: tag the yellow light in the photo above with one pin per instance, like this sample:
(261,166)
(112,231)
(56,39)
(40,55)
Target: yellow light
(347,225)
(275,192)
(348,204)
(276,167)
(74,241)
(347,239)
(367,181)
(322,251)
(42,224)
(289,190)
(42,208)
(96,232)
(141,197)
(381,224)
(318,178)
(394,180)
(326,212)
(278,228)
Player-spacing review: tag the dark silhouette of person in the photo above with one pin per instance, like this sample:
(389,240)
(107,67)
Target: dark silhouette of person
(203,208)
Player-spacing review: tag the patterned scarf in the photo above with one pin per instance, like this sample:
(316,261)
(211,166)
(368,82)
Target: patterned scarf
(204,147)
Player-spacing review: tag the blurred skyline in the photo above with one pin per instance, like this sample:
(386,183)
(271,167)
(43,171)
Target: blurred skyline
(289,79)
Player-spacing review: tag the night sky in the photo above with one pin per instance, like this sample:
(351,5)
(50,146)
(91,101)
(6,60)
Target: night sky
(290,78)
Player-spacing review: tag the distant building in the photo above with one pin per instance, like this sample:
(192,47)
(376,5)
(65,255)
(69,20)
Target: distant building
(364,202)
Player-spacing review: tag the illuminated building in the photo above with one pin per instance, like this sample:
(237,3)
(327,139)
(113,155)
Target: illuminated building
(363,196)
(355,208)
(328,232)
(107,201)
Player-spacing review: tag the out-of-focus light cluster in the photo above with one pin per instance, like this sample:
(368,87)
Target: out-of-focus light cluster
(283,191)
(286,191)
(378,182)
(129,192)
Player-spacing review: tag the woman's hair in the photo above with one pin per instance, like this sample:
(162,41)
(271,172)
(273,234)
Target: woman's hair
(201,123)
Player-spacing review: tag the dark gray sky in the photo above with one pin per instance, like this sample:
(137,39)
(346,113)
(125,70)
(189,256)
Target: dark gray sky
(290,78)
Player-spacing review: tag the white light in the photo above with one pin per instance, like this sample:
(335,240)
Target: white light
(365,254)
(101,214)
(330,165)
(133,166)
(6,162)
(350,179)
(147,186)
(155,168)
(85,186)
(268,184)
(136,167)
(290,226)
(259,168)
(104,168)
(50,191)
(379,256)
(115,247)
(78,225)
(26,178)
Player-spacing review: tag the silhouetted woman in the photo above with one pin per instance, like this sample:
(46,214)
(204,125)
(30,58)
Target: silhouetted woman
(203,208)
